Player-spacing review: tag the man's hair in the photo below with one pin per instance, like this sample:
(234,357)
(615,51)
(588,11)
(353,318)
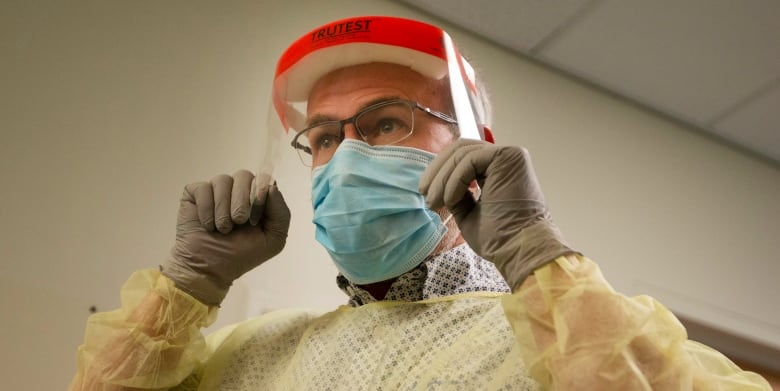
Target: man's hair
(484,107)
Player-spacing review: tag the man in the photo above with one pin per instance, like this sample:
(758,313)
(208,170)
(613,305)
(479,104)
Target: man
(430,229)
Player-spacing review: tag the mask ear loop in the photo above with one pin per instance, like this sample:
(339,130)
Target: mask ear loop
(475,191)
(447,220)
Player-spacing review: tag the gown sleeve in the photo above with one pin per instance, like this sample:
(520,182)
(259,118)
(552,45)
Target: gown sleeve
(152,342)
(577,333)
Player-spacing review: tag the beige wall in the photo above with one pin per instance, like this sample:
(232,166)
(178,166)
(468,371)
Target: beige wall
(109,107)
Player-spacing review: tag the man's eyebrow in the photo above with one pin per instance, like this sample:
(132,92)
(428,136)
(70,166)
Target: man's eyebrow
(320,118)
(379,100)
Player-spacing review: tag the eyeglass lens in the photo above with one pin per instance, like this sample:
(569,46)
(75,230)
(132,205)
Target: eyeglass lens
(382,124)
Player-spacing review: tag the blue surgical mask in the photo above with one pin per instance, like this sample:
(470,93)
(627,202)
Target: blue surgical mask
(369,214)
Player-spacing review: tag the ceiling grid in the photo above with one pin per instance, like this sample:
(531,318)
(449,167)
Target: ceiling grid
(713,64)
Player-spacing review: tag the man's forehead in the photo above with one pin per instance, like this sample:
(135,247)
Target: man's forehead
(378,74)
(373,67)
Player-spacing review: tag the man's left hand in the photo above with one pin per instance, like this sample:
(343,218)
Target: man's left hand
(509,224)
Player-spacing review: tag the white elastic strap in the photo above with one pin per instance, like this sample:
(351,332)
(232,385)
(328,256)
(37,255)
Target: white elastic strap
(447,220)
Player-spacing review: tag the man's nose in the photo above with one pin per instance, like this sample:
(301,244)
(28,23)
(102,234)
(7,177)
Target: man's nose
(351,132)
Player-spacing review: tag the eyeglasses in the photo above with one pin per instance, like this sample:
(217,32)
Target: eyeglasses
(384,123)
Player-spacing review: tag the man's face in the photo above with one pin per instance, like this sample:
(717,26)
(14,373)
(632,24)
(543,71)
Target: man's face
(342,93)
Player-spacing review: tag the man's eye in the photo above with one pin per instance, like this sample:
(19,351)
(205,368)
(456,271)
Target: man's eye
(387,126)
(326,141)
(324,137)
(380,129)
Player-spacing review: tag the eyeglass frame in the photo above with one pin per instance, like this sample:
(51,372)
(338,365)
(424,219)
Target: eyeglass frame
(353,120)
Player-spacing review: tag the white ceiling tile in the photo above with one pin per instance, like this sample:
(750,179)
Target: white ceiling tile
(517,24)
(692,59)
(756,125)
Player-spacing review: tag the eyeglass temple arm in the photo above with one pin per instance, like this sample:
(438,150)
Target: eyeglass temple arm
(295,144)
(437,114)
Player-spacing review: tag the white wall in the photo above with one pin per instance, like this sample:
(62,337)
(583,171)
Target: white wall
(109,107)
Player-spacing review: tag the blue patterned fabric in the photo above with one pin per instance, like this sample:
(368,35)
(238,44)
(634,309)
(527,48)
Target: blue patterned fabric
(458,270)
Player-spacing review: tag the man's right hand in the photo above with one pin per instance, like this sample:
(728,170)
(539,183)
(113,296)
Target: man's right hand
(215,240)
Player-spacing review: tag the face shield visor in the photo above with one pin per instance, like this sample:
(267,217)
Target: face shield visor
(423,48)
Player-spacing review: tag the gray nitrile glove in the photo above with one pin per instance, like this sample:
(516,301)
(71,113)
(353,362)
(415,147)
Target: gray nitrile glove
(215,240)
(509,223)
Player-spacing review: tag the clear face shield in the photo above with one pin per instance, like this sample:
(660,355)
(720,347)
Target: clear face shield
(423,48)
